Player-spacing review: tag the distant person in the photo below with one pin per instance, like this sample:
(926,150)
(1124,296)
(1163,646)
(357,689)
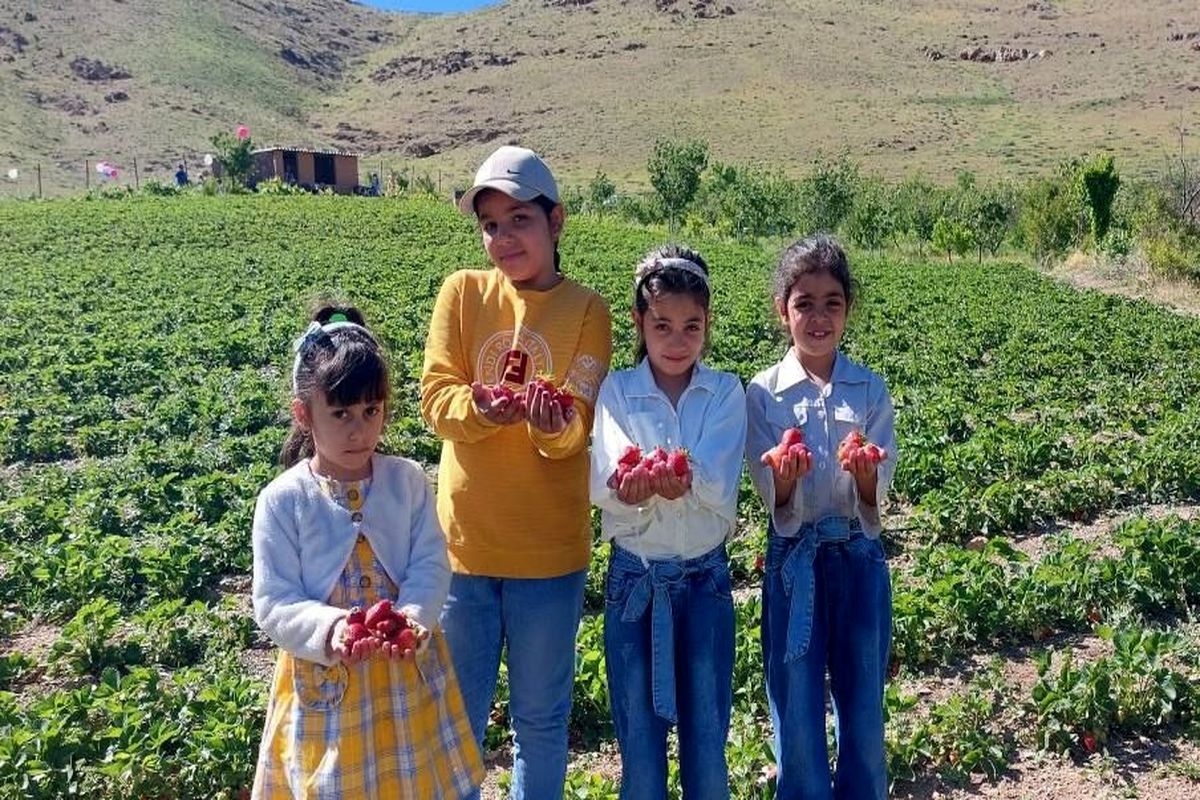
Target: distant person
(181,176)
(375,187)
(342,528)
(821,450)
(513,477)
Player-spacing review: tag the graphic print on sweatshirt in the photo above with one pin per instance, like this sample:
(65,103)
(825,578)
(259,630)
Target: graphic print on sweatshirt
(503,360)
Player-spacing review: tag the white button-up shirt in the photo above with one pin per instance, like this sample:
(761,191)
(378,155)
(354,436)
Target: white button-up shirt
(709,421)
(786,396)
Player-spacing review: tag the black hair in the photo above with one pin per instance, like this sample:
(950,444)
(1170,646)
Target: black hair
(818,253)
(668,280)
(541,201)
(346,364)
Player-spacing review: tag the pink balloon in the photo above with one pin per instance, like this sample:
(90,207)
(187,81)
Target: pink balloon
(242,132)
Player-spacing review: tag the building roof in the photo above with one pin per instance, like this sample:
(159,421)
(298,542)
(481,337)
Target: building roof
(324,151)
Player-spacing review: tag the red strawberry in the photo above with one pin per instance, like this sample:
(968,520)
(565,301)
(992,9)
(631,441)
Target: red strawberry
(658,454)
(355,632)
(679,463)
(760,563)
(356,617)
(852,443)
(386,628)
(378,612)
(792,441)
(406,639)
(875,453)
(502,392)
(630,456)
(564,399)
(1088,740)
(1094,616)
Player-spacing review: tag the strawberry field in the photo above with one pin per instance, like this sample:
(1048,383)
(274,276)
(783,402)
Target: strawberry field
(1046,563)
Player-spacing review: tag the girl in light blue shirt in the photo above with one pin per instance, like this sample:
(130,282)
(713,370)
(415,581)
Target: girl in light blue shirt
(669,620)
(826,589)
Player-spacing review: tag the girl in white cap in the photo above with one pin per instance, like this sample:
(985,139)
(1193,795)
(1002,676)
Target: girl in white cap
(513,363)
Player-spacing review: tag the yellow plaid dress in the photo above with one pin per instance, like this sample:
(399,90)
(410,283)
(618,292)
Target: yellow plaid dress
(375,729)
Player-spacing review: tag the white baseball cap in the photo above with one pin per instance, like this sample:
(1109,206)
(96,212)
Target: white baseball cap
(517,172)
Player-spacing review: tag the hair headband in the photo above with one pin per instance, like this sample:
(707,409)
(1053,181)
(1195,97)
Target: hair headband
(315,333)
(651,265)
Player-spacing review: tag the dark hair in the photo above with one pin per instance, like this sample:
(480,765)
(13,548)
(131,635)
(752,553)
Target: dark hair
(667,280)
(346,364)
(818,253)
(541,201)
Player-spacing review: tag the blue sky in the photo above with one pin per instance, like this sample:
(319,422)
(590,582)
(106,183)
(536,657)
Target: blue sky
(428,5)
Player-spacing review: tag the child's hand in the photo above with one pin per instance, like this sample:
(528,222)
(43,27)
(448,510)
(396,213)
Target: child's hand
(789,466)
(409,646)
(860,464)
(634,488)
(670,486)
(543,412)
(497,410)
(350,653)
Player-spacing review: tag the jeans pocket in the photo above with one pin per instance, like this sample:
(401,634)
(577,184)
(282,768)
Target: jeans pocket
(719,582)
(867,548)
(618,585)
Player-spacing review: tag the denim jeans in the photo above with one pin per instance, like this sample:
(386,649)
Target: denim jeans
(668,646)
(537,618)
(827,605)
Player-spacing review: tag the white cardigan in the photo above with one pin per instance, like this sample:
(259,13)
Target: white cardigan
(302,540)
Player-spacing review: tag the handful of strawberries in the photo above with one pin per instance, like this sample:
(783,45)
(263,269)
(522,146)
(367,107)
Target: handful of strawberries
(791,443)
(502,391)
(658,463)
(385,625)
(856,446)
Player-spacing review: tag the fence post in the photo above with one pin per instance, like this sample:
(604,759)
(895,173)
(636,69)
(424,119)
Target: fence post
(87,175)
(137,181)
(39,174)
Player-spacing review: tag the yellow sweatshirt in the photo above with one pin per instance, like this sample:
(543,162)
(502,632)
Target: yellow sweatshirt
(513,501)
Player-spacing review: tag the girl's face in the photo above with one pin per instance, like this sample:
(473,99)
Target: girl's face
(673,328)
(344,437)
(814,313)
(519,238)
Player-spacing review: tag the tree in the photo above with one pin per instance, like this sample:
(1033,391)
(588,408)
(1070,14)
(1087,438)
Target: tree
(601,193)
(870,223)
(1051,214)
(1100,184)
(951,237)
(917,206)
(235,157)
(828,193)
(675,170)
(988,212)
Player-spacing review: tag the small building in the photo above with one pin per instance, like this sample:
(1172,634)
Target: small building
(307,167)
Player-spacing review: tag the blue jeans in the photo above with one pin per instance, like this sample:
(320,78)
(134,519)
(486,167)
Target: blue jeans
(537,618)
(827,604)
(668,647)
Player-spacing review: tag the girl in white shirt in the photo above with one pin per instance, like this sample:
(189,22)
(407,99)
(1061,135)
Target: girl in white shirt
(826,590)
(345,526)
(669,620)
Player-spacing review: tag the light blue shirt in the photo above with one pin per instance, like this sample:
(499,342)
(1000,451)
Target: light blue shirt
(709,421)
(786,396)
(303,538)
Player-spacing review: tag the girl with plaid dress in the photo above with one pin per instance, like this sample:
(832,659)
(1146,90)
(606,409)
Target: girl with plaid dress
(345,526)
